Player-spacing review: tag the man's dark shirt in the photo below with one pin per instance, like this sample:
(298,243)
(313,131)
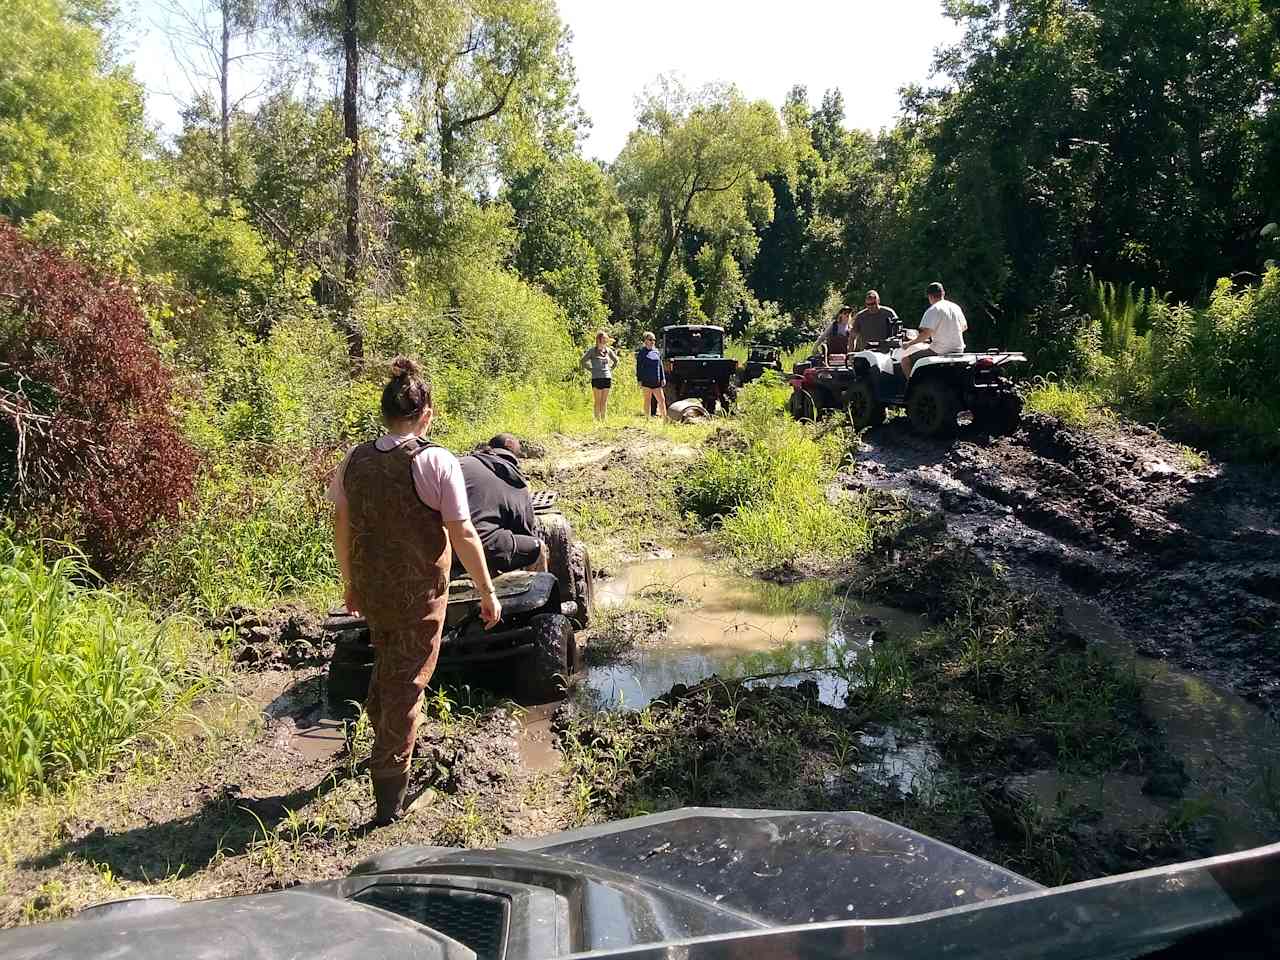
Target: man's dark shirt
(497,494)
(872,325)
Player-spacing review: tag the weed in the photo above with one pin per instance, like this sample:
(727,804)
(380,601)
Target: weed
(468,826)
(1074,405)
(83,673)
(766,493)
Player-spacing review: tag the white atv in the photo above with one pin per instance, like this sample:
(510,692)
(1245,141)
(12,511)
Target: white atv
(940,388)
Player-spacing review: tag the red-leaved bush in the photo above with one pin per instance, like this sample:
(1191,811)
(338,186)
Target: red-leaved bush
(90,449)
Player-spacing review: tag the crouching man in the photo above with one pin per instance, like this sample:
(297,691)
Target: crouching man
(501,507)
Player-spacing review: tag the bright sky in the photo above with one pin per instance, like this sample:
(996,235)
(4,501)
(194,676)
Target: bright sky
(866,48)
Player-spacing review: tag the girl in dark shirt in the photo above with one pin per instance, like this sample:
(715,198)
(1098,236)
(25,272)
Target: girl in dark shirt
(652,377)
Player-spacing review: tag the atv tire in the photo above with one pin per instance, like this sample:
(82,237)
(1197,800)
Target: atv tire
(803,406)
(552,658)
(865,408)
(1002,417)
(932,408)
(570,564)
(350,673)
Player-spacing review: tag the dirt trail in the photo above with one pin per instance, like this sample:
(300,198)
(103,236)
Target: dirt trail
(1185,556)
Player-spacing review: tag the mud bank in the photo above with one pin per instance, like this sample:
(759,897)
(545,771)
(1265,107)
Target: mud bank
(1184,555)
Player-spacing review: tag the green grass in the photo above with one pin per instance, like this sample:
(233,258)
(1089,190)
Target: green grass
(83,673)
(253,534)
(764,488)
(1074,404)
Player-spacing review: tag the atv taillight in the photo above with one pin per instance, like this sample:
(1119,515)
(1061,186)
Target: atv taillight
(985,363)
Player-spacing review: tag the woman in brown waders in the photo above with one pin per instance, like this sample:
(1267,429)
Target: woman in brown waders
(401,502)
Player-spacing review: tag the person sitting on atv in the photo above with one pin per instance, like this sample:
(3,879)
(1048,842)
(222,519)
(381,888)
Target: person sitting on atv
(838,337)
(874,323)
(501,506)
(943,326)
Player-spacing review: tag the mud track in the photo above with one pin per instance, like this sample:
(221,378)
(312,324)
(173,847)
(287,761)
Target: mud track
(1183,557)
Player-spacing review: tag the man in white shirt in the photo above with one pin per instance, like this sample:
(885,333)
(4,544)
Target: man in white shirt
(943,326)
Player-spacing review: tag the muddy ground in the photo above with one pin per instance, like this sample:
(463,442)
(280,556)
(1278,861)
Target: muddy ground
(1183,554)
(265,790)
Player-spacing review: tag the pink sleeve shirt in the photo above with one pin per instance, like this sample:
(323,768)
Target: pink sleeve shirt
(437,477)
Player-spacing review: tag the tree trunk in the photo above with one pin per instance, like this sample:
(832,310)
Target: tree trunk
(672,232)
(351,131)
(224,128)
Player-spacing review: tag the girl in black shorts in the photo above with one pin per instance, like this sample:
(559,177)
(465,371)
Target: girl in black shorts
(600,360)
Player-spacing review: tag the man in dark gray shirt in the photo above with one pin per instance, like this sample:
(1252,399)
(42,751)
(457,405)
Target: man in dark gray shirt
(501,506)
(874,323)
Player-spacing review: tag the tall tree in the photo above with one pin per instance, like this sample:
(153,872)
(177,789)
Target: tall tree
(71,130)
(697,162)
(209,41)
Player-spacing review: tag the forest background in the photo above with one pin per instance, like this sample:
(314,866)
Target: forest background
(190,330)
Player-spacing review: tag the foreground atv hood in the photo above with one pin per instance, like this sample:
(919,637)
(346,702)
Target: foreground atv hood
(691,884)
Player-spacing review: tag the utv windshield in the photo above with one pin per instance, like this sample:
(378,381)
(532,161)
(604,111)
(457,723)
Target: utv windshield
(693,342)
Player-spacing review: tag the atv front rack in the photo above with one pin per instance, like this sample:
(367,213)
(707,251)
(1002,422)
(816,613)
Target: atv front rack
(544,501)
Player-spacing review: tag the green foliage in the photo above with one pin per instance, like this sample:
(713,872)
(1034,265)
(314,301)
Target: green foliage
(765,489)
(83,673)
(1075,405)
(259,529)
(206,254)
(1211,370)
(682,305)
(71,131)
(489,333)
(696,163)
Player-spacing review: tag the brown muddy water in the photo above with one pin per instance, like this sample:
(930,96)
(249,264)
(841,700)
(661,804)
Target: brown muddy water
(733,626)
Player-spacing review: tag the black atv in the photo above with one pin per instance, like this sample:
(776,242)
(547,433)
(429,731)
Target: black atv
(940,388)
(761,357)
(697,367)
(541,615)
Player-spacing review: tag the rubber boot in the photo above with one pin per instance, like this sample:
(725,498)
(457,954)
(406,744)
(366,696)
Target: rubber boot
(388,795)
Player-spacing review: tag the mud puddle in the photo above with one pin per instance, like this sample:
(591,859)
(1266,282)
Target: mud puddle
(731,626)
(1228,747)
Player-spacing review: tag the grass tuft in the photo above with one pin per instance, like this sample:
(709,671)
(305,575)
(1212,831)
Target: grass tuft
(83,673)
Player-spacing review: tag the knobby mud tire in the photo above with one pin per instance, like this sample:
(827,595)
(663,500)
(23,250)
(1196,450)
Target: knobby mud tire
(1002,418)
(350,672)
(933,408)
(552,658)
(865,409)
(569,564)
(803,406)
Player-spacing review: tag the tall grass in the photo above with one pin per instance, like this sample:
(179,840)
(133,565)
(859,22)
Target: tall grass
(1075,404)
(1212,371)
(255,532)
(83,673)
(765,491)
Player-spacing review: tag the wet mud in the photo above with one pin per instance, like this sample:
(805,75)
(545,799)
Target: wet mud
(284,637)
(1184,555)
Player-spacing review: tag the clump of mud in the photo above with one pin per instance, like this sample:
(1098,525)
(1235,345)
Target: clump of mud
(289,636)
(1185,555)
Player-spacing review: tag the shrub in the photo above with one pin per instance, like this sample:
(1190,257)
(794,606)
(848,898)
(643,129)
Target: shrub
(258,529)
(90,448)
(766,489)
(82,672)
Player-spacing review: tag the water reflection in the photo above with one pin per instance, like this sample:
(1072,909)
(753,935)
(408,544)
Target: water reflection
(735,627)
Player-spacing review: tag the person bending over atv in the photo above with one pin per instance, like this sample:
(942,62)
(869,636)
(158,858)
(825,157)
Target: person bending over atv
(942,326)
(874,323)
(501,507)
(838,338)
